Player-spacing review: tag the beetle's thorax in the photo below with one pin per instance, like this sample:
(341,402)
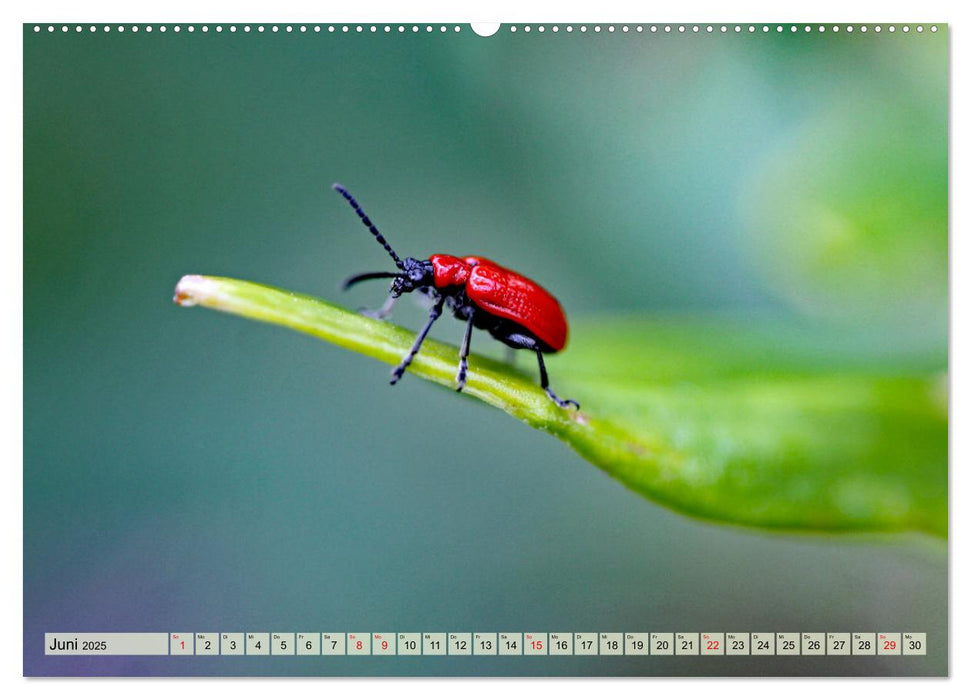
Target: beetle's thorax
(450,271)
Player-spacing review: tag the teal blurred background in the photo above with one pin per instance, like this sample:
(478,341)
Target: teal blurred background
(188,471)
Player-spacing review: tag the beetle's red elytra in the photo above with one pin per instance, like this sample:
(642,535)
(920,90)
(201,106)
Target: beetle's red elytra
(504,293)
(514,309)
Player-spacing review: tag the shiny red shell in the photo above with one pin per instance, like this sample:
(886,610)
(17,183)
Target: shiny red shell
(506,294)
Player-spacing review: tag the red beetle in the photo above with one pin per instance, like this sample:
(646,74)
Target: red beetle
(513,308)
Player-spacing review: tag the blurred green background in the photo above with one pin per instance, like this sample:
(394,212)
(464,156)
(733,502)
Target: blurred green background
(186,471)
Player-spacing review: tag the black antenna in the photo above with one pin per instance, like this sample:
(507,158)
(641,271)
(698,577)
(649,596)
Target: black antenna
(367,222)
(351,281)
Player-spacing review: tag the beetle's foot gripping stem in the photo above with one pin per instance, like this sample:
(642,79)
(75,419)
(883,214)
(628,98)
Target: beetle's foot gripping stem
(562,403)
(544,382)
(462,375)
(464,355)
(381,313)
(376,314)
(399,371)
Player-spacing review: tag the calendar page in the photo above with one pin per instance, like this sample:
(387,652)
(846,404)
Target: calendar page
(438,349)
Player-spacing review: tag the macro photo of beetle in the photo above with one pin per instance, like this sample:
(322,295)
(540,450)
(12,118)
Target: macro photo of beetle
(515,310)
(693,374)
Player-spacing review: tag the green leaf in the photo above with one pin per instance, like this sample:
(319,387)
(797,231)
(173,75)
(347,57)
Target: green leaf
(759,424)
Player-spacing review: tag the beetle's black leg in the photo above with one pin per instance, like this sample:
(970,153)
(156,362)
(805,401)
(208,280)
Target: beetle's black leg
(544,381)
(383,312)
(406,360)
(464,356)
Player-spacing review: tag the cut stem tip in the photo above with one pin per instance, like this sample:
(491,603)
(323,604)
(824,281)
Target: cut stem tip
(192,290)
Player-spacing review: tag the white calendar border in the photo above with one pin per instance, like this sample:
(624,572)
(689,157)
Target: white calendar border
(438,10)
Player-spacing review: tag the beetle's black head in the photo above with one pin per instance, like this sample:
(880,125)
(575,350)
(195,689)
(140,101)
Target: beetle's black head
(414,275)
